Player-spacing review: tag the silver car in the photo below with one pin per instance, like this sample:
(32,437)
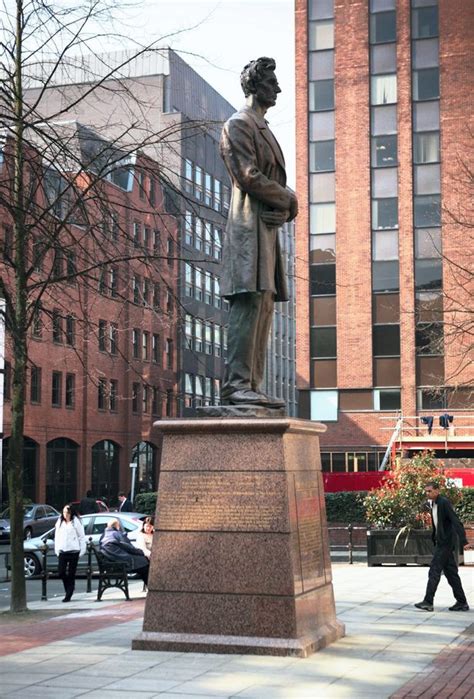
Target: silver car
(37,519)
(94,525)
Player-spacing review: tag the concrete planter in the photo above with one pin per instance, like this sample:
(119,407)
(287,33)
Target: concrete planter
(381,542)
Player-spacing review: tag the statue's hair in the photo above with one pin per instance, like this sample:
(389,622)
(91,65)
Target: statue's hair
(254,72)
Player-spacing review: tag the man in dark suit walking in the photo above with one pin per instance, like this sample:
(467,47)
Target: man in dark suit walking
(125,504)
(447,530)
(253,275)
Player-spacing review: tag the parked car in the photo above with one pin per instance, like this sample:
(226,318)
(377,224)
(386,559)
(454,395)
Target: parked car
(102,506)
(37,519)
(94,525)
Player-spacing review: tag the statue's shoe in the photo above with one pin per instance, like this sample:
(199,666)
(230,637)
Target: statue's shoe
(271,402)
(245,396)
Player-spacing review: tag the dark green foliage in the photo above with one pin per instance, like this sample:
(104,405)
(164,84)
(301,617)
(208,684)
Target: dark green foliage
(145,503)
(346,507)
(465,508)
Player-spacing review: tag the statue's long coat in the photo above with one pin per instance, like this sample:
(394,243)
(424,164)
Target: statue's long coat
(252,259)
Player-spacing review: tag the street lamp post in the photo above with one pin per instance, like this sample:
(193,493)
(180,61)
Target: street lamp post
(133,466)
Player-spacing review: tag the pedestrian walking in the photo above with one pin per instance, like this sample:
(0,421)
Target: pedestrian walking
(447,530)
(116,546)
(69,544)
(88,505)
(144,538)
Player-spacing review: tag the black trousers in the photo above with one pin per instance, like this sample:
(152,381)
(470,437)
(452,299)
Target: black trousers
(143,573)
(67,570)
(250,320)
(444,562)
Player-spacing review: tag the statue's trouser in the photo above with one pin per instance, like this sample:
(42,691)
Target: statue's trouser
(250,320)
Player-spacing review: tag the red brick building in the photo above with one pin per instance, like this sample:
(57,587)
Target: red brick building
(383,239)
(102,349)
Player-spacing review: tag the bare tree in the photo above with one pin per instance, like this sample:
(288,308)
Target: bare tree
(64,239)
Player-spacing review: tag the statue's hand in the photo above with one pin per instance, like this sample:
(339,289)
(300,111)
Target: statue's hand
(275,218)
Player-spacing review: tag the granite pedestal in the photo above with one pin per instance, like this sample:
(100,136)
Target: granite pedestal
(240,559)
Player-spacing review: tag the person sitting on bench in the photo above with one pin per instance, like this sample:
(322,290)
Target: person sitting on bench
(116,546)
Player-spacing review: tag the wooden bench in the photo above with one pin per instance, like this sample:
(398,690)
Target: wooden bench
(111,574)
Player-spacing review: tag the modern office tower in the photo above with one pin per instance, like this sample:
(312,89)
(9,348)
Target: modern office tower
(159,102)
(384,242)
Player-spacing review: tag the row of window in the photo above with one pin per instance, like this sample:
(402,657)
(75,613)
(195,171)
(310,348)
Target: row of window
(203,236)
(147,347)
(205,336)
(205,187)
(63,327)
(202,285)
(201,390)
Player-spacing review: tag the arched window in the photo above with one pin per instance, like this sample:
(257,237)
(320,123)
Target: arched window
(61,472)
(30,458)
(105,471)
(144,454)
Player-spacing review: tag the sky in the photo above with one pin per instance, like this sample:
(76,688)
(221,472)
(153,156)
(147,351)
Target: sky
(218,37)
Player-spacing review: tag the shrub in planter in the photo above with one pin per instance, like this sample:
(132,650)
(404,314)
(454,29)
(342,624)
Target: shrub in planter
(346,506)
(400,503)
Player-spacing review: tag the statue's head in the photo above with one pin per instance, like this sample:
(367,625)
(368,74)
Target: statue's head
(258,78)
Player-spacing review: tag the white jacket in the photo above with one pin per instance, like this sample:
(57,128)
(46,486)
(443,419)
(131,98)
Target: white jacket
(69,536)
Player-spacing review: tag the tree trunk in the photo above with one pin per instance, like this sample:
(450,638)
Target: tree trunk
(18,327)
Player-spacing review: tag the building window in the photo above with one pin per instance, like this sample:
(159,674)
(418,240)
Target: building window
(323,248)
(383,59)
(35,384)
(425,53)
(321,35)
(71,269)
(37,323)
(208,338)
(426,84)
(70,391)
(188,173)
(385,245)
(145,399)
(321,95)
(385,213)
(321,65)
(383,89)
(145,345)
(156,296)
(324,405)
(155,401)
(426,116)
(102,334)
(70,334)
(428,274)
(323,280)
(426,147)
(188,228)
(383,27)
(386,340)
(207,189)
(384,151)
(146,237)
(198,284)
(170,252)
(217,292)
(113,338)
(113,282)
(427,243)
(427,211)
(321,156)
(169,402)
(198,182)
(136,234)
(322,187)
(136,288)
(136,343)
(101,393)
(57,323)
(323,343)
(217,244)
(7,381)
(56,389)
(113,395)
(208,288)
(425,22)
(156,353)
(321,126)
(198,335)
(385,275)
(135,392)
(383,120)
(322,218)
(146,291)
(427,179)
(429,338)
(387,399)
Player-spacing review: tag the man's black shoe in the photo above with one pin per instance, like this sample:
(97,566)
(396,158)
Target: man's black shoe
(425,606)
(459,607)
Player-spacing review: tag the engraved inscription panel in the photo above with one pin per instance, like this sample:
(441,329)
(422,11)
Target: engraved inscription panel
(222,502)
(310,538)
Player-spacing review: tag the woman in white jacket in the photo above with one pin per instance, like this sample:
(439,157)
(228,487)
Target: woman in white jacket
(69,544)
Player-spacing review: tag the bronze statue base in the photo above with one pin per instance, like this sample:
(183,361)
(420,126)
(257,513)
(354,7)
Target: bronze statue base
(239,411)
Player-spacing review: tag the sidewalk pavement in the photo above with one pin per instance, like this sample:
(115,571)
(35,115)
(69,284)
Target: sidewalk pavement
(390,649)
